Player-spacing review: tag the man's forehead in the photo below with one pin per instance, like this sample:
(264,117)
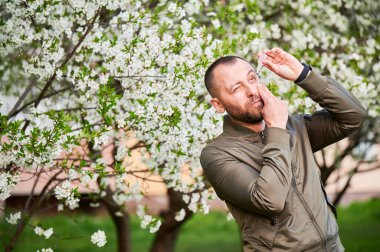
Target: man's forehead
(229,73)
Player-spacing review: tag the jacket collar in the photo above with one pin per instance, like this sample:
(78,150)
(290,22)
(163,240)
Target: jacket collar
(238,130)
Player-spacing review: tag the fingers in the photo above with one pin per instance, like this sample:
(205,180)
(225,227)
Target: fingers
(273,53)
(275,57)
(277,50)
(262,93)
(268,92)
(265,93)
(271,66)
(261,56)
(272,57)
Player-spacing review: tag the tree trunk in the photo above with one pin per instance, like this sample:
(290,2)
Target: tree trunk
(170,228)
(122,223)
(21,226)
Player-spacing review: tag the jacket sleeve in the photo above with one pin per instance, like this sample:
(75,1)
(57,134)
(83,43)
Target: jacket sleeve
(342,113)
(234,181)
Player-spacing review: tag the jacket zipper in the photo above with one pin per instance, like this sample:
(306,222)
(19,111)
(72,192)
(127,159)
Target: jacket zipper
(304,203)
(311,215)
(262,136)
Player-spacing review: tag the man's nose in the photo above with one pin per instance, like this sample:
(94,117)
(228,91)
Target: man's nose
(252,90)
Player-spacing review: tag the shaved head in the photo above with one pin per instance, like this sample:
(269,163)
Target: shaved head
(209,76)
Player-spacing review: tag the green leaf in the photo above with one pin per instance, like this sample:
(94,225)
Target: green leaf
(178,152)
(142,102)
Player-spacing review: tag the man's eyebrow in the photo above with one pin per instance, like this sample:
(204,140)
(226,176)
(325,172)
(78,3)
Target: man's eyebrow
(237,83)
(250,71)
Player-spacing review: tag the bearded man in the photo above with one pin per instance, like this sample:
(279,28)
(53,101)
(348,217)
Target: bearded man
(263,166)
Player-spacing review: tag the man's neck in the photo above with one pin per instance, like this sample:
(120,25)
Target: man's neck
(257,127)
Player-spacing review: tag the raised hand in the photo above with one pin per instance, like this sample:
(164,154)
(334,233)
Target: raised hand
(282,63)
(275,111)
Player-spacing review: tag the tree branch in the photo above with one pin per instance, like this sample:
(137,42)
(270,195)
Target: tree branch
(67,58)
(22,98)
(11,114)
(32,192)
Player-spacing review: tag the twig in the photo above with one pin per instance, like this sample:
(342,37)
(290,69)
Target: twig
(21,99)
(68,57)
(74,159)
(31,102)
(95,124)
(32,192)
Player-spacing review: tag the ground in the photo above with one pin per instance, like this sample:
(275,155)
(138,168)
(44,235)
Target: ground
(359,230)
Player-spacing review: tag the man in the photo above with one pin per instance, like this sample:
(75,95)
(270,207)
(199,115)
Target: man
(262,164)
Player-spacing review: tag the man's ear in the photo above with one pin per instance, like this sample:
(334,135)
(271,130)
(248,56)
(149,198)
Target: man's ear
(215,102)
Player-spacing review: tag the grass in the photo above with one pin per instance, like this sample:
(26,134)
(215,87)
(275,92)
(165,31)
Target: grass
(359,231)
(359,226)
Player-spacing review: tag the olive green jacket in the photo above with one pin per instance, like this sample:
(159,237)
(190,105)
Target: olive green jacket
(270,180)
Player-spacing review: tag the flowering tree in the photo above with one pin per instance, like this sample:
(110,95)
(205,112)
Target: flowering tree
(85,83)
(89,75)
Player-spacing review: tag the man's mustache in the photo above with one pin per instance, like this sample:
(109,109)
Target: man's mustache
(254,99)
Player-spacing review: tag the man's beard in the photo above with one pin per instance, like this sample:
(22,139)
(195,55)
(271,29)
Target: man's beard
(247,115)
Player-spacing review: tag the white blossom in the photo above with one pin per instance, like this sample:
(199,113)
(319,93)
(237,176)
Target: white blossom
(60,207)
(47,233)
(45,250)
(13,218)
(66,192)
(180,215)
(154,228)
(7,182)
(99,238)
(172,7)
(216,23)
(121,153)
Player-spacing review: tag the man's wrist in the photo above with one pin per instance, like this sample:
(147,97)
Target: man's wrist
(305,72)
